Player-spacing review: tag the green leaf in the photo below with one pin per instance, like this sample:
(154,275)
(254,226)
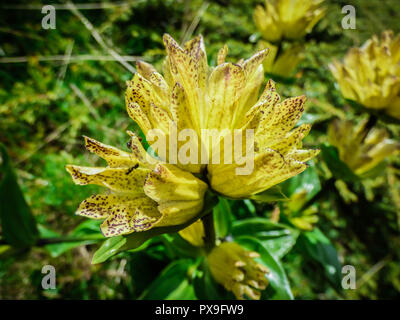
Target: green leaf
(277,238)
(278,287)
(320,249)
(18,224)
(136,239)
(88,228)
(338,168)
(109,248)
(115,245)
(270,195)
(174,283)
(307,180)
(88,232)
(222,218)
(250,206)
(183,248)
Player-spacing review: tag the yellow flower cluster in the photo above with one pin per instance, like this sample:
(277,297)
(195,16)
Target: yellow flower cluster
(370,75)
(193,95)
(360,147)
(145,192)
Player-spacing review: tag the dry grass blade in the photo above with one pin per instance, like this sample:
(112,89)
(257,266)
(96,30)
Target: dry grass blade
(98,37)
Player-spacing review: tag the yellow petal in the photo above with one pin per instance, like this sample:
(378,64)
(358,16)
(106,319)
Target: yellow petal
(251,65)
(178,212)
(136,215)
(270,168)
(222,53)
(180,109)
(234,268)
(100,206)
(113,156)
(194,234)
(169,182)
(303,155)
(139,116)
(224,88)
(138,152)
(178,193)
(283,118)
(291,141)
(126,180)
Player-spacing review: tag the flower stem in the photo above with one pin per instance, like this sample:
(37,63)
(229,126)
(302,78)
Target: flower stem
(209,230)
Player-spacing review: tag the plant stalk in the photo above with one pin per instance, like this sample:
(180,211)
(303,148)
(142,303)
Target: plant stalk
(209,230)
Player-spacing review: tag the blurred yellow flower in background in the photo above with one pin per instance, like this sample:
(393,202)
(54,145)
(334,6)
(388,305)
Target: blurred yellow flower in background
(141,195)
(361,148)
(285,63)
(287,19)
(370,75)
(302,217)
(235,269)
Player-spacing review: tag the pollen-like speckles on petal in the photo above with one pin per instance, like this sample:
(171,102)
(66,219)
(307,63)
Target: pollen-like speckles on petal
(128,180)
(102,149)
(270,168)
(270,85)
(160,118)
(286,114)
(131,215)
(96,207)
(138,152)
(195,47)
(263,112)
(101,206)
(250,65)
(113,156)
(269,92)
(145,69)
(139,91)
(139,116)
(180,110)
(291,141)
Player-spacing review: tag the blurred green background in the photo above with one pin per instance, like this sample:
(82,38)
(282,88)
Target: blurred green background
(46,107)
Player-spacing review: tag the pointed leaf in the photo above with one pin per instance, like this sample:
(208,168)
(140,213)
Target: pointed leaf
(172,284)
(277,238)
(18,223)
